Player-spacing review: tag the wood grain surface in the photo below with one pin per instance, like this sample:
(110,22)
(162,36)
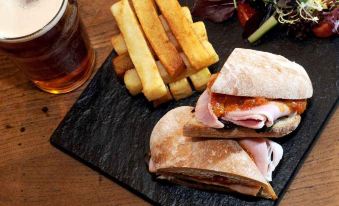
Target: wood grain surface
(32,172)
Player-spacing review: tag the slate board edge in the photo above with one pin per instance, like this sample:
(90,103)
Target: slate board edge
(93,82)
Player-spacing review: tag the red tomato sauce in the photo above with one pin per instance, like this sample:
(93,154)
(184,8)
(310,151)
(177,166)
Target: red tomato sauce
(222,103)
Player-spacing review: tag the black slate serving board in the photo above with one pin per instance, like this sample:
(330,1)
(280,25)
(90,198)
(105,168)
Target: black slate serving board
(109,130)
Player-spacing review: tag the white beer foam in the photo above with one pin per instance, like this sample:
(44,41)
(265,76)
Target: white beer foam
(22,20)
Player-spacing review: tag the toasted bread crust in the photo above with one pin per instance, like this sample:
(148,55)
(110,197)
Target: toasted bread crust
(253,73)
(281,128)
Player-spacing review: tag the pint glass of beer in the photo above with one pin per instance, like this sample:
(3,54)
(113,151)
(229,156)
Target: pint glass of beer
(46,40)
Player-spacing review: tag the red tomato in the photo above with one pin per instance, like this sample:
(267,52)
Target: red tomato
(245,12)
(323,30)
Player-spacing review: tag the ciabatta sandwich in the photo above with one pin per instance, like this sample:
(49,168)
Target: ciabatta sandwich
(256,94)
(212,164)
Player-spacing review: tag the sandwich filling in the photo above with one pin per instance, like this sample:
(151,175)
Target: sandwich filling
(250,112)
(265,153)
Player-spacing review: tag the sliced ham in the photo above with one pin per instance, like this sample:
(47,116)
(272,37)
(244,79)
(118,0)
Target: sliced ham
(204,112)
(258,117)
(254,118)
(265,153)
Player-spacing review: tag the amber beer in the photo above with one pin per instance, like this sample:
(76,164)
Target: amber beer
(45,38)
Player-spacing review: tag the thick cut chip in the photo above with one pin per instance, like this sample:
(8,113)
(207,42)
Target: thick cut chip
(157,37)
(121,64)
(199,28)
(181,89)
(119,45)
(210,49)
(187,13)
(168,97)
(163,73)
(141,56)
(168,79)
(132,82)
(182,29)
(164,23)
(200,79)
(173,40)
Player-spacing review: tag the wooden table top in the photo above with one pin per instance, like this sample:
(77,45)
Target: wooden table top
(32,172)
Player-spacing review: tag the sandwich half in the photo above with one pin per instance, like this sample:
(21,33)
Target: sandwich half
(212,164)
(256,94)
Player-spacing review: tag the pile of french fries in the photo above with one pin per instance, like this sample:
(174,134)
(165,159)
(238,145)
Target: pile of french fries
(161,52)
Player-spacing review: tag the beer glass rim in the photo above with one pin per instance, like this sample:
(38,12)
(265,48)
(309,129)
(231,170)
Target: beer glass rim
(41,31)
